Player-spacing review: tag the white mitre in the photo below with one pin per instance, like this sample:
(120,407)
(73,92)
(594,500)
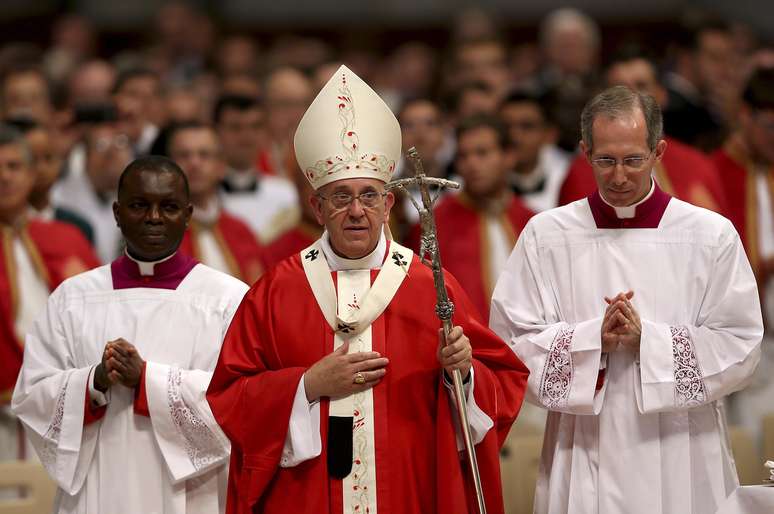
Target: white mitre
(347,132)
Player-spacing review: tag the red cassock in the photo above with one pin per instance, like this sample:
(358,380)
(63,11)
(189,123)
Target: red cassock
(462,238)
(279,331)
(740,184)
(57,251)
(683,172)
(292,242)
(242,252)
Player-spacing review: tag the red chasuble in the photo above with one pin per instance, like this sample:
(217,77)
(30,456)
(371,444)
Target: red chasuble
(239,247)
(740,185)
(684,173)
(58,251)
(462,238)
(292,242)
(279,331)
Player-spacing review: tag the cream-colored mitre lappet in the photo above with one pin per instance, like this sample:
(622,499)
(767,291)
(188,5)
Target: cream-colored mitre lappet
(347,132)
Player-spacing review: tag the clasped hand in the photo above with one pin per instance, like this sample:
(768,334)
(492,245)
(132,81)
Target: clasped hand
(121,364)
(621,325)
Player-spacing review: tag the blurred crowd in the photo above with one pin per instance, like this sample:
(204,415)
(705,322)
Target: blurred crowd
(502,119)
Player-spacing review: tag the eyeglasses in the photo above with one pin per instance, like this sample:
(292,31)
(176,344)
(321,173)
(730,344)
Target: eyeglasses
(633,163)
(369,199)
(105,143)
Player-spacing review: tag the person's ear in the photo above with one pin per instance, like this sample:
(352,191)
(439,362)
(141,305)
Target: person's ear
(661,147)
(317,207)
(389,202)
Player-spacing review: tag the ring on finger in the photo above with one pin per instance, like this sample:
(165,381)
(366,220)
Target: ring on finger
(359,378)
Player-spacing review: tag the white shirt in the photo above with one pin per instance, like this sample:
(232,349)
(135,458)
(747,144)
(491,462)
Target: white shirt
(268,210)
(76,193)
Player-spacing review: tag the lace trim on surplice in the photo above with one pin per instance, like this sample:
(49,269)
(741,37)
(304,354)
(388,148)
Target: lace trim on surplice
(51,437)
(690,389)
(201,445)
(557,374)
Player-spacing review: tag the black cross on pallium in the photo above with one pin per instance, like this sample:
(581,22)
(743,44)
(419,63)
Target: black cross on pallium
(344,328)
(312,254)
(398,259)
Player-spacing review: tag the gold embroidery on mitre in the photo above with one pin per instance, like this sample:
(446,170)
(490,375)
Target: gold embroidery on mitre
(350,158)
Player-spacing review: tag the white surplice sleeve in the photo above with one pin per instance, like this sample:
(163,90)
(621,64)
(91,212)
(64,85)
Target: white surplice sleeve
(563,358)
(50,397)
(685,365)
(190,439)
(185,429)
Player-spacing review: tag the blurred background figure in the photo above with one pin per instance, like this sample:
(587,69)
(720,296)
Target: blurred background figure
(214,237)
(137,99)
(288,92)
(89,186)
(37,255)
(267,203)
(570,43)
(539,165)
(703,84)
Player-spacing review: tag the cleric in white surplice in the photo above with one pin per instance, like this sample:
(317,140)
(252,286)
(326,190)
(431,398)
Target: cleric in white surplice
(111,391)
(636,313)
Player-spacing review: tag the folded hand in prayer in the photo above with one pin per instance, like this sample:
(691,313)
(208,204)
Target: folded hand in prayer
(124,363)
(621,325)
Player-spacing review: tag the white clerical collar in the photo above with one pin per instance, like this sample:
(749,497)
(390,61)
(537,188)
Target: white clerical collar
(336,262)
(146,268)
(208,215)
(629,210)
(242,179)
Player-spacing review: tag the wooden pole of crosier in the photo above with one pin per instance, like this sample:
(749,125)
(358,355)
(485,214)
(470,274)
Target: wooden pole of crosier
(444,308)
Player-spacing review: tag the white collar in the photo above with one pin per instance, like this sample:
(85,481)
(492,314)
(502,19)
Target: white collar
(629,210)
(208,214)
(373,260)
(146,268)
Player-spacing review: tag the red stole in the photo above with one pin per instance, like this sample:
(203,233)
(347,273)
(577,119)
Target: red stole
(292,242)
(239,247)
(464,244)
(57,251)
(740,184)
(683,172)
(279,332)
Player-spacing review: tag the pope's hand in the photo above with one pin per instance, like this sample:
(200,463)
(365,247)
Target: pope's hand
(456,353)
(339,374)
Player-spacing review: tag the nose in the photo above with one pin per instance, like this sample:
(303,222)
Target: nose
(355,209)
(154,214)
(619,174)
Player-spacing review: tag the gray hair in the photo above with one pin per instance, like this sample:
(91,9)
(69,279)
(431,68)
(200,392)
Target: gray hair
(10,135)
(568,18)
(620,102)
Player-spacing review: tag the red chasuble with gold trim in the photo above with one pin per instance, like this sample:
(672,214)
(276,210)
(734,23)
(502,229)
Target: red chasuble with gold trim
(292,242)
(464,244)
(58,251)
(239,247)
(739,183)
(684,173)
(279,331)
